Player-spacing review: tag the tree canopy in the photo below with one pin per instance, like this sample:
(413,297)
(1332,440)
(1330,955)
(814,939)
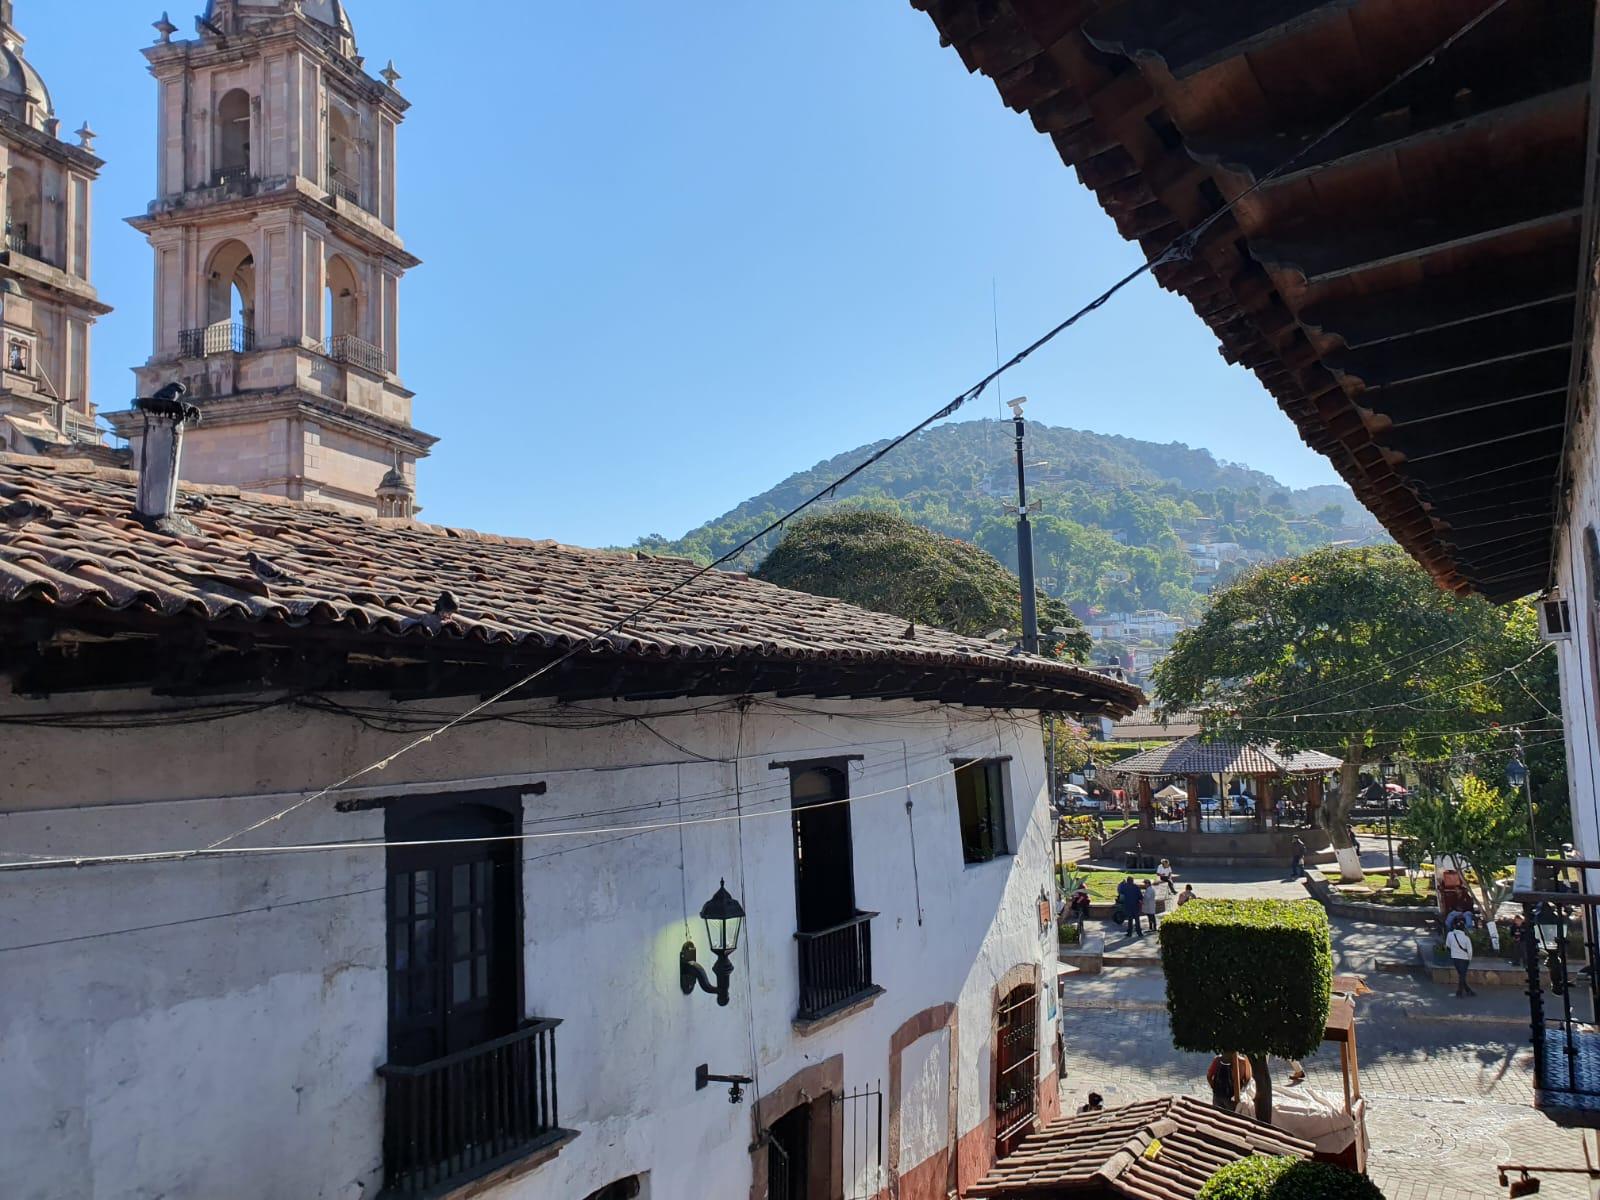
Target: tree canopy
(1478,824)
(1357,652)
(883,562)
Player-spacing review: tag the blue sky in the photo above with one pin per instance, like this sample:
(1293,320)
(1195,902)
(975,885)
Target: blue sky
(674,253)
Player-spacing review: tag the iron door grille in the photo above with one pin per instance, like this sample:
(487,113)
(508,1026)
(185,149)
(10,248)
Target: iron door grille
(862,1111)
(1016,1092)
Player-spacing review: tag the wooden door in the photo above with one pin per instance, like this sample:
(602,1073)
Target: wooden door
(453,933)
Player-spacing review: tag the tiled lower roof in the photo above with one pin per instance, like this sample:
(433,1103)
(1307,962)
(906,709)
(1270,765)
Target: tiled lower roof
(374,580)
(1192,756)
(1157,1150)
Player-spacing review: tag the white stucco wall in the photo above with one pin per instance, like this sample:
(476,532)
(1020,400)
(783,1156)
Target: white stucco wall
(1580,705)
(212,1027)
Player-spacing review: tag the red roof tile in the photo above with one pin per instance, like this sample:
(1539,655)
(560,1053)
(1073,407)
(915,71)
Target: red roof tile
(379,579)
(1158,1150)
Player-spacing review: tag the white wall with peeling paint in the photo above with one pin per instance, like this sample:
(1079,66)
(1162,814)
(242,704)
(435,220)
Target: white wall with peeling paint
(212,1027)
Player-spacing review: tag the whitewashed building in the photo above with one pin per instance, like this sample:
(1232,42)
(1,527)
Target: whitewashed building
(464,973)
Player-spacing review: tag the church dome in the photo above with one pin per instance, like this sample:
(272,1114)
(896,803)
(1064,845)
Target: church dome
(23,94)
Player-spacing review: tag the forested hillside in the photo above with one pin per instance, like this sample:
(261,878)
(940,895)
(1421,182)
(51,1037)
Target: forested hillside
(1116,513)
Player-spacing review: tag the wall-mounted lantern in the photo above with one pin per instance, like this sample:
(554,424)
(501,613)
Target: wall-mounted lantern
(724,918)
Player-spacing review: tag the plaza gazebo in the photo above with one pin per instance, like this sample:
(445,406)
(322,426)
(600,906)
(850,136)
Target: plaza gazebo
(1267,768)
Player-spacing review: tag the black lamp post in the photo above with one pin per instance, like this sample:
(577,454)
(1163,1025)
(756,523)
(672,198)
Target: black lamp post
(1388,769)
(1517,777)
(724,918)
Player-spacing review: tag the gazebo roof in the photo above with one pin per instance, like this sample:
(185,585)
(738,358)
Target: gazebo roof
(1191,756)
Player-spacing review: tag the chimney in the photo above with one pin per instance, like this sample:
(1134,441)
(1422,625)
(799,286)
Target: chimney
(160,451)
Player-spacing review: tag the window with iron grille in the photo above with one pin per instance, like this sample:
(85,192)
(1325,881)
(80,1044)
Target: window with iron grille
(981,799)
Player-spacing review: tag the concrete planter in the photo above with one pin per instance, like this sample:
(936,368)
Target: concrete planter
(1087,956)
(1489,972)
(1419,917)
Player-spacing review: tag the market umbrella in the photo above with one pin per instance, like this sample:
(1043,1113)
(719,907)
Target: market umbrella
(1172,792)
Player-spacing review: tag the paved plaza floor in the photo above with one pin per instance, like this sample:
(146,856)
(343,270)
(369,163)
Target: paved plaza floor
(1448,1082)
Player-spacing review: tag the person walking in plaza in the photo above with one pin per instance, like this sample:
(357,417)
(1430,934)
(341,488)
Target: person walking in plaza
(1164,874)
(1297,859)
(1129,901)
(1460,943)
(1147,903)
(1186,895)
(1224,1091)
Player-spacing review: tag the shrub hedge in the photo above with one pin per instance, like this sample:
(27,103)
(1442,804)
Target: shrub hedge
(1259,1178)
(1248,976)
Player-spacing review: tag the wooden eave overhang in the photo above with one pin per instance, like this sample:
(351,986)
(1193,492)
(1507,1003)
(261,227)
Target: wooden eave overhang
(1408,289)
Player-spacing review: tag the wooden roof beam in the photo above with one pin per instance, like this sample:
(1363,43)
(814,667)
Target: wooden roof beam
(1536,100)
(1524,378)
(1496,289)
(1190,35)
(1503,338)
(1337,254)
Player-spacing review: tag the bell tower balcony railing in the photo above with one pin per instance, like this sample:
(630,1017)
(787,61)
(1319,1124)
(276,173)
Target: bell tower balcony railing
(1559,950)
(342,183)
(225,337)
(347,348)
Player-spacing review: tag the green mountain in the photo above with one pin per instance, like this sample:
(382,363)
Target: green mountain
(1116,514)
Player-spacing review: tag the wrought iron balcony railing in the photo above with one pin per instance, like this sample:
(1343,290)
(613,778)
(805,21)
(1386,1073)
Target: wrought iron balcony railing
(233,179)
(347,348)
(341,183)
(1559,951)
(835,966)
(463,1115)
(18,244)
(225,337)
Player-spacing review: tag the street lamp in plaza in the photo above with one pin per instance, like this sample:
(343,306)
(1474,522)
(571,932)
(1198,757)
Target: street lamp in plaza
(1389,770)
(1517,777)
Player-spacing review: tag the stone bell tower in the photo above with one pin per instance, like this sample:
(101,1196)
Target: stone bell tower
(278,266)
(47,304)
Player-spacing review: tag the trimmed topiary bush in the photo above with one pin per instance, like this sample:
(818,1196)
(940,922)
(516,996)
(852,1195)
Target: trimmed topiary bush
(1248,977)
(1248,1179)
(1259,1178)
(1322,1181)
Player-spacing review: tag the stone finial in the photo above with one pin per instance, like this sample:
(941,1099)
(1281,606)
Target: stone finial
(86,136)
(390,75)
(395,497)
(165,29)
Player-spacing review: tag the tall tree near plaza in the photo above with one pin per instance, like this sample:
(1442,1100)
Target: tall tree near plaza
(1479,825)
(1359,653)
(881,561)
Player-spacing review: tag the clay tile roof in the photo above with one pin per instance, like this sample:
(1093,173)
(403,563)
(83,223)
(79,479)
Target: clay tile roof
(1157,1150)
(378,578)
(1311,762)
(1191,756)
